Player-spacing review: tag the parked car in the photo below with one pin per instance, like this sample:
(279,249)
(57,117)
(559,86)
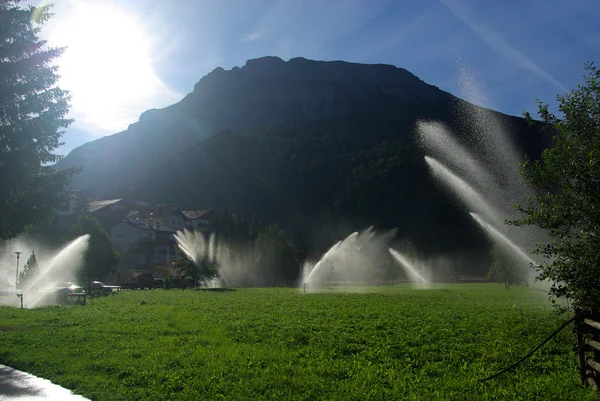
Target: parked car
(67,287)
(100,286)
(137,279)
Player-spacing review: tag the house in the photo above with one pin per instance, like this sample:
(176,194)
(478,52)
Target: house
(108,212)
(128,236)
(161,216)
(199,220)
(142,247)
(143,233)
(101,207)
(165,245)
(111,212)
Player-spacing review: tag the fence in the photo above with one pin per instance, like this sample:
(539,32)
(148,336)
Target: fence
(587,326)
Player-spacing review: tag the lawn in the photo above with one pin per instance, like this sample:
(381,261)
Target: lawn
(381,343)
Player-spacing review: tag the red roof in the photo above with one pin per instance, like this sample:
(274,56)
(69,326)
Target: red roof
(196,214)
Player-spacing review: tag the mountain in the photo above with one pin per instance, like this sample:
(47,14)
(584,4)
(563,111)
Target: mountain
(265,92)
(319,147)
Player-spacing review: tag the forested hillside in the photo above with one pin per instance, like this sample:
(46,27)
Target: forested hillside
(322,148)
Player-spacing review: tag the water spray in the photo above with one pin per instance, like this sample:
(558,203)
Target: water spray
(497,235)
(352,260)
(407,265)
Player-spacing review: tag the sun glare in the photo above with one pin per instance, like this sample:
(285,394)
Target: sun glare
(106,66)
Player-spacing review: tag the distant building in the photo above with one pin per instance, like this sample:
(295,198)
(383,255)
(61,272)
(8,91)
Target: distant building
(143,247)
(108,212)
(126,235)
(161,216)
(143,233)
(200,220)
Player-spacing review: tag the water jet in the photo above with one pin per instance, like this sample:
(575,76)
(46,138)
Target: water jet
(408,267)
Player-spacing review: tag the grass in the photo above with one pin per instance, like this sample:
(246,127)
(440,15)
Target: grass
(384,343)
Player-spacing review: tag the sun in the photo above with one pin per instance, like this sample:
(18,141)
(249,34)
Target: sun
(107,64)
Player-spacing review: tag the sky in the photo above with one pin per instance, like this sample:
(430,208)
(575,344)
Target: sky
(127,56)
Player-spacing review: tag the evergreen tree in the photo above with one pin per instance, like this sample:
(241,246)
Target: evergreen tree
(101,257)
(30,270)
(32,119)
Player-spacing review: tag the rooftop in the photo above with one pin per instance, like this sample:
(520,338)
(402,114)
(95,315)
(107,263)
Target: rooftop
(97,205)
(195,214)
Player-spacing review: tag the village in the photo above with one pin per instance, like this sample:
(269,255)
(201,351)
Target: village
(143,233)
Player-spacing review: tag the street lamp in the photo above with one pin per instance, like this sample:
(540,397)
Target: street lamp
(17,275)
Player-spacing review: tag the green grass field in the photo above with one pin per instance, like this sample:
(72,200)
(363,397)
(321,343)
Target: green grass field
(382,343)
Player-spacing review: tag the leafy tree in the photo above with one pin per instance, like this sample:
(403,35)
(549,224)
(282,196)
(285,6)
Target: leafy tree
(29,272)
(101,256)
(186,267)
(81,203)
(32,119)
(274,257)
(567,200)
(52,231)
(504,269)
(163,271)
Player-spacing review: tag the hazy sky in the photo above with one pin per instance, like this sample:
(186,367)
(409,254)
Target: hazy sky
(127,56)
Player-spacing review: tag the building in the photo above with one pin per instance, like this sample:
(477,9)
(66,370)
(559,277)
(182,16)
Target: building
(200,220)
(142,247)
(144,234)
(127,236)
(161,216)
(109,212)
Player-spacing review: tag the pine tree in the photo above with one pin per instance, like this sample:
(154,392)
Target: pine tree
(32,119)
(30,270)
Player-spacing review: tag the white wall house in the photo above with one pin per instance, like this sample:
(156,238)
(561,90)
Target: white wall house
(125,235)
(199,220)
(174,220)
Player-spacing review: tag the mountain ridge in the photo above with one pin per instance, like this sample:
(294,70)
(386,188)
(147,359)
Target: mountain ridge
(302,143)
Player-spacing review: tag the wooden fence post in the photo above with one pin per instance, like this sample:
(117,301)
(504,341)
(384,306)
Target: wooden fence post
(588,324)
(580,346)
(593,380)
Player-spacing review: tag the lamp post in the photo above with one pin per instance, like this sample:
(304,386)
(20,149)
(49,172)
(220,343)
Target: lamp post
(17,275)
